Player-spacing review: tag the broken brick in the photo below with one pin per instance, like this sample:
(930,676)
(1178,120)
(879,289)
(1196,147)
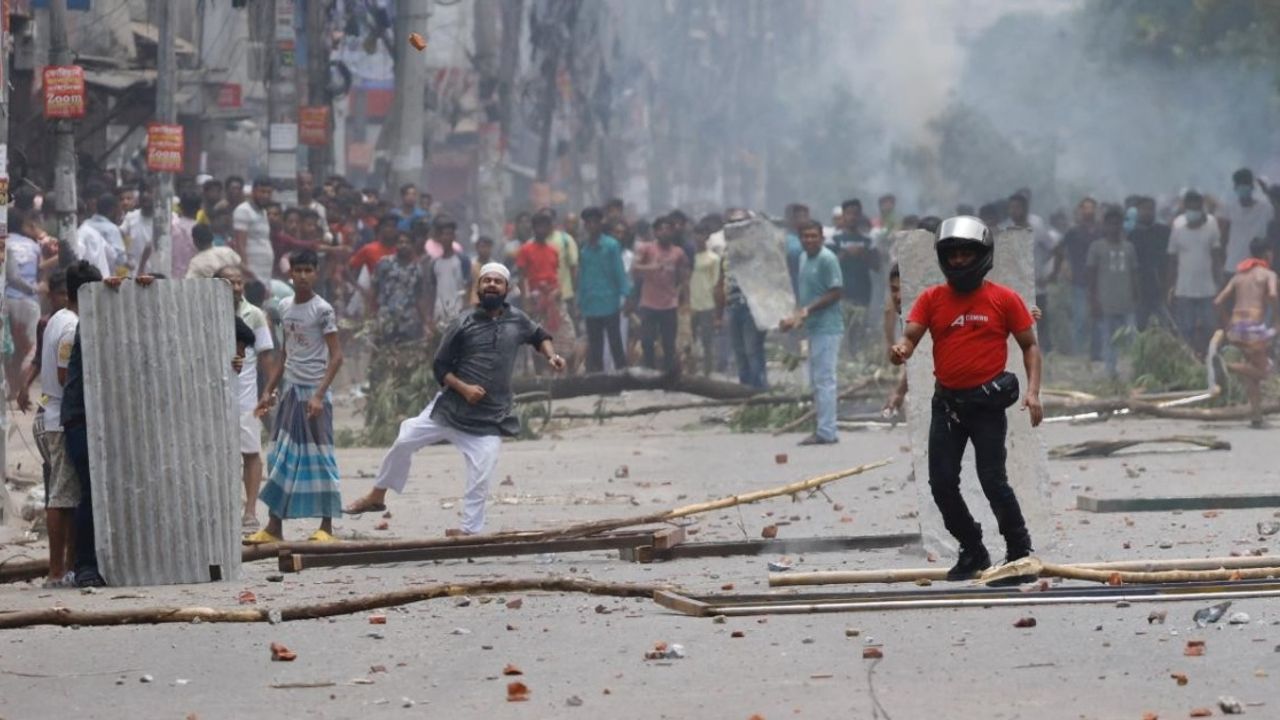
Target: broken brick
(1026,622)
(769,532)
(418,42)
(512,670)
(280,653)
(872,653)
(517,692)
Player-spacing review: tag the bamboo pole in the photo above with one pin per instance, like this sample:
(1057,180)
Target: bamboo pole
(154,615)
(29,569)
(853,577)
(1112,576)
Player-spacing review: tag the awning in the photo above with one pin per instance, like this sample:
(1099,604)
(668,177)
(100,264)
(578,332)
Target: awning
(150,33)
(118,80)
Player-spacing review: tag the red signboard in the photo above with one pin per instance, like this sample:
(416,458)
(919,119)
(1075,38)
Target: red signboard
(229,95)
(313,125)
(164,147)
(63,91)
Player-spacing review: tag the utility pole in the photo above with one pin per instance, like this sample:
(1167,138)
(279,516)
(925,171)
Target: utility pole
(490,203)
(282,103)
(64,171)
(167,113)
(316,32)
(406,150)
(4,212)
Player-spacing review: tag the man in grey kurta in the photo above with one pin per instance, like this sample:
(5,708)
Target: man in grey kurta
(473,409)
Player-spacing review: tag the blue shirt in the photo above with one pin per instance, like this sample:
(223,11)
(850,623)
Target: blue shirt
(406,221)
(602,278)
(24,253)
(817,276)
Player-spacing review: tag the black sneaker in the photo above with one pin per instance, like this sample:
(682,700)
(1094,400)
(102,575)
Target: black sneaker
(970,564)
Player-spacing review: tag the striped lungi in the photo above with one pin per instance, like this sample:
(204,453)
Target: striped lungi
(302,478)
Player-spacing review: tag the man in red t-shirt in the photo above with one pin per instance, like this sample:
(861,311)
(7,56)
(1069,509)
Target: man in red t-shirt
(970,320)
(539,265)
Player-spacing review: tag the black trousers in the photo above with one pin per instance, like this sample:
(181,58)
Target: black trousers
(659,323)
(597,329)
(77,439)
(952,428)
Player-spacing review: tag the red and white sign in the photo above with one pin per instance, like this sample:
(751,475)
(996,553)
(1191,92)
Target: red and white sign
(229,95)
(164,147)
(63,92)
(313,125)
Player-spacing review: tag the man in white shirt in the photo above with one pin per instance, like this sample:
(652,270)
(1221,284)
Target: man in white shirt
(1195,254)
(91,247)
(1242,218)
(253,232)
(139,227)
(261,355)
(107,222)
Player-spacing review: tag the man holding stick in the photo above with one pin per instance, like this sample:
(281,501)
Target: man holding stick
(970,319)
(473,409)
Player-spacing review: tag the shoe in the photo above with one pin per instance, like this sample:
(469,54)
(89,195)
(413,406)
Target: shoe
(457,532)
(249,522)
(815,440)
(364,505)
(262,537)
(320,536)
(970,564)
(89,578)
(66,581)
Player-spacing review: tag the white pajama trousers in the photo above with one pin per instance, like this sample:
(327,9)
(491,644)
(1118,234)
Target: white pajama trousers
(480,452)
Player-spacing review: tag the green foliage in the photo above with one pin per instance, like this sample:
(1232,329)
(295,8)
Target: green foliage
(1162,362)
(760,418)
(401,383)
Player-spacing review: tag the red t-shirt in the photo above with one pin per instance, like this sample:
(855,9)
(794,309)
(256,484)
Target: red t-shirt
(540,264)
(970,332)
(370,255)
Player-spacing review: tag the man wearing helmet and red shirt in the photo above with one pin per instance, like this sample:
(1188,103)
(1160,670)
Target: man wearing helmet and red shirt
(971,319)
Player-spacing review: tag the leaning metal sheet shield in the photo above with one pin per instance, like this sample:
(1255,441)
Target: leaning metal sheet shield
(1027,464)
(160,403)
(757,261)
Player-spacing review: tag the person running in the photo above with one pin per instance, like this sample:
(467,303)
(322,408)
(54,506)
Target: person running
(473,410)
(302,470)
(970,319)
(1252,293)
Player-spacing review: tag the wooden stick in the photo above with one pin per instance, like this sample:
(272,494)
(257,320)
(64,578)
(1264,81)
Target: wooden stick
(851,577)
(1034,566)
(154,615)
(1103,448)
(272,550)
(591,528)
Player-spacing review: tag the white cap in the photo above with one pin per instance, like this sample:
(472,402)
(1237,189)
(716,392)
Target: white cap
(498,269)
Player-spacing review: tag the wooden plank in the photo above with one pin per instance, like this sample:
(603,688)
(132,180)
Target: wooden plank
(1166,504)
(787,546)
(667,538)
(680,603)
(300,560)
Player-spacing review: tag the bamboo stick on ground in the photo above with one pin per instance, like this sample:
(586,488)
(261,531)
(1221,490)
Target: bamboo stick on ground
(1034,566)
(154,615)
(33,569)
(854,577)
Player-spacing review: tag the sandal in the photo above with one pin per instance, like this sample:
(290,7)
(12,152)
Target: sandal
(364,505)
(321,536)
(66,581)
(262,537)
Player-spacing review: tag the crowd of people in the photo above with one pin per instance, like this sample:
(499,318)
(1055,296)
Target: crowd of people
(612,290)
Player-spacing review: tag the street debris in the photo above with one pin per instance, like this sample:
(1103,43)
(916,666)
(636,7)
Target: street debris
(1230,705)
(512,670)
(1268,527)
(769,532)
(1026,622)
(280,653)
(872,653)
(378,619)
(1201,712)
(247,598)
(1238,618)
(1195,648)
(418,42)
(1211,615)
(515,604)
(1157,617)
(663,651)
(573,701)
(517,692)
(1180,678)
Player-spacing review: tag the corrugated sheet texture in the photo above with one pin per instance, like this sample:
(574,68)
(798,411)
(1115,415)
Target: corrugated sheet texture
(163,430)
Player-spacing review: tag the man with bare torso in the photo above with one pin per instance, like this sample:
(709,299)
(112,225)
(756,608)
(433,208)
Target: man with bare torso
(1252,291)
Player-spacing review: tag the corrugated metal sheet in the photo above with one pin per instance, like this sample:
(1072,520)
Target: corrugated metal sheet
(163,430)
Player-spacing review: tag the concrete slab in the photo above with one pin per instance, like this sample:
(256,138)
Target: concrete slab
(1166,504)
